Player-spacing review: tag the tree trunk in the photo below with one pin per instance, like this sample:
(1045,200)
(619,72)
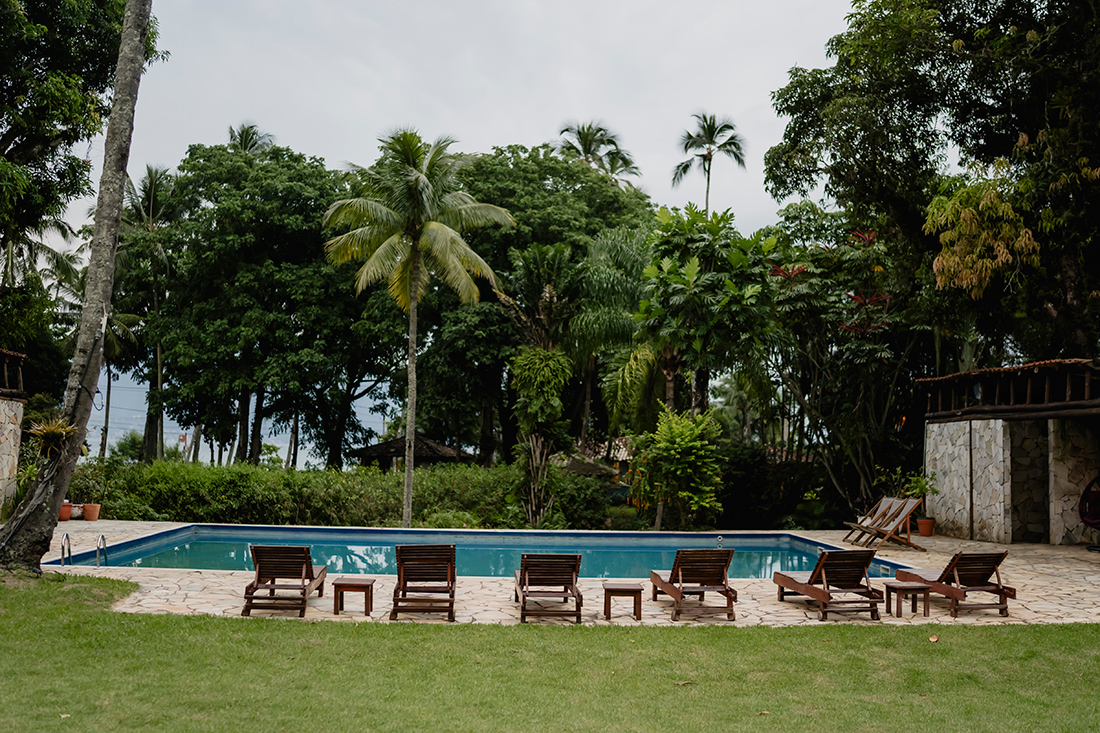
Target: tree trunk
(160,406)
(292,449)
(255,446)
(241,441)
(487,440)
(106,416)
(410,414)
(196,442)
(589,378)
(26,537)
(149,435)
(700,387)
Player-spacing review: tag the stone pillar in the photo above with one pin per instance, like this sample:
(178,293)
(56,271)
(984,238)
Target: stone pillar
(991,480)
(1074,462)
(11,426)
(1030,481)
(947,455)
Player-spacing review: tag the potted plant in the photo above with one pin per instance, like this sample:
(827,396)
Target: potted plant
(911,485)
(86,491)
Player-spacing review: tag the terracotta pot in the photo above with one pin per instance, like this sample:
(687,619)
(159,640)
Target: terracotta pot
(91,512)
(926,526)
(65,513)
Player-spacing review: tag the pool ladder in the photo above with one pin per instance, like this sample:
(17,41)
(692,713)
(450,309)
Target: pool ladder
(101,544)
(67,549)
(66,546)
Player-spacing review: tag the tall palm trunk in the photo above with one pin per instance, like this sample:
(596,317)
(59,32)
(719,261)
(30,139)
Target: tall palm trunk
(27,535)
(410,414)
(106,415)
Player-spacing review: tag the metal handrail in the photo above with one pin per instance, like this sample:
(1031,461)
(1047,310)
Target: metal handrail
(101,543)
(66,544)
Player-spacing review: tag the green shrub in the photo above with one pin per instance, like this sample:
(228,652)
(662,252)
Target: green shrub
(464,495)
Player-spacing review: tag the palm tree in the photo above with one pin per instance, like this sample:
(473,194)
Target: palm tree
(598,147)
(712,137)
(149,207)
(23,249)
(248,138)
(406,225)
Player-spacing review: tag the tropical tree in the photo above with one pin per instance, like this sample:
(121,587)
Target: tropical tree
(597,146)
(712,137)
(151,206)
(249,138)
(25,538)
(24,249)
(406,225)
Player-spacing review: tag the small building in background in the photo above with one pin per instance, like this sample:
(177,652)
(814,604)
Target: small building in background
(1014,450)
(390,453)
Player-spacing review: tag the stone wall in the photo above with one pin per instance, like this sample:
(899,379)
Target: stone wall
(946,454)
(972,467)
(1030,481)
(1074,462)
(992,509)
(11,425)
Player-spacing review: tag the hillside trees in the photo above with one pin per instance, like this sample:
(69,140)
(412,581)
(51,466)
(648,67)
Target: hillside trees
(257,325)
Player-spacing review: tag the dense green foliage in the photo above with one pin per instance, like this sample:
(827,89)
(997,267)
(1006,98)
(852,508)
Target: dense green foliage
(677,466)
(242,494)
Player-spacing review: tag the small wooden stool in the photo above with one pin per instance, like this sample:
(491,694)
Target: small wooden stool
(632,590)
(353,585)
(903,589)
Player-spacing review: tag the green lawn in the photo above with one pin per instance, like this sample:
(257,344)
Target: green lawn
(67,663)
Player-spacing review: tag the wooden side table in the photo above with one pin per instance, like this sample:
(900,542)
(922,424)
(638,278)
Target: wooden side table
(626,590)
(902,589)
(340,586)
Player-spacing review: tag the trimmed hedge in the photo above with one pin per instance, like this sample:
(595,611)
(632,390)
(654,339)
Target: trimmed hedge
(442,495)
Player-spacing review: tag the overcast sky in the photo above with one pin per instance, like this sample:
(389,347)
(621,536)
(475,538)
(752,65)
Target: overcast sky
(329,77)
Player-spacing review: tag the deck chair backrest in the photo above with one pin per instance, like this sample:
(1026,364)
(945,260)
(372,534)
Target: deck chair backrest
(842,568)
(426,563)
(885,511)
(549,569)
(972,568)
(282,561)
(901,513)
(706,567)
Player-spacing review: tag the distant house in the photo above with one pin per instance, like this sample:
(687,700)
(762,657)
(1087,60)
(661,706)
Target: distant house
(1013,449)
(425,452)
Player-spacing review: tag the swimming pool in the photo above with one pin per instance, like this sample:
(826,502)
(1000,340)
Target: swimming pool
(494,553)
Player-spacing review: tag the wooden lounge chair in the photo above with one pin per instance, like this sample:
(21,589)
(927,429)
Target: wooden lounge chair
(290,564)
(695,573)
(893,527)
(967,572)
(837,572)
(425,570)
(874,518)
(548,576)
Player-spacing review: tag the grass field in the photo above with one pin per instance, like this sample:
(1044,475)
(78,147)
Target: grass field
(68,663)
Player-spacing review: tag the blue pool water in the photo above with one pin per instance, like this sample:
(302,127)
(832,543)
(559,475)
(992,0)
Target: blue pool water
(478,552)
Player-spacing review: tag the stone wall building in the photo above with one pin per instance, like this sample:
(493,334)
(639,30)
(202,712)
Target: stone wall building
(1012,450)
(12,400)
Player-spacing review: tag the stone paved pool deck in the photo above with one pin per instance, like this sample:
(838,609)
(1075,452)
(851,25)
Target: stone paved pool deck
(1054,585)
